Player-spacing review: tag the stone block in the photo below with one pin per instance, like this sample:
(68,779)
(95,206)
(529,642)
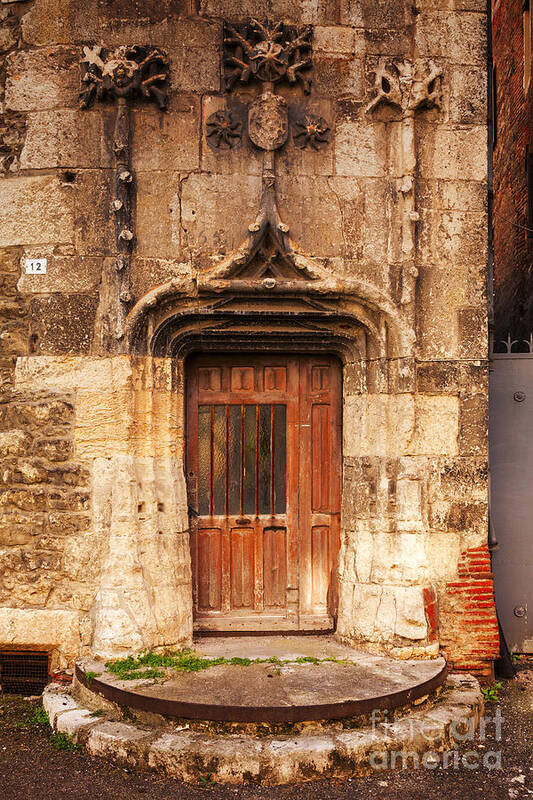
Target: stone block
(66,373)
(167,141)
(451,195)
(334,39)
(389,425)
(60,22)
(473,332)
(468,95)
(437,426)
(66,272)
(55,629)
(376,14)
(463,478)
(335,76)
(149,272)
(157,226)
(118,740)
(75,722)
(460,37)
(216,211)
(43,412)
(56,702)
(392,42)
(295,204)
(379,613)
(473,431)
(42,79)
(453,238)
(297,11)
(23,499)
(63,323)
(64,500)
(441,293)
(443,552)
(94,232)
(14,443)
(195,47)
(35,210)
(438,377)
(61,523)
(103,422)
(53,449)
(68,138)
(361,149)
(452,154)
(310,754)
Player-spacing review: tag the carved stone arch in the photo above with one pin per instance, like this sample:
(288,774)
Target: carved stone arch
(348,317)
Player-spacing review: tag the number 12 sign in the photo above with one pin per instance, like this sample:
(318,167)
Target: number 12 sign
(35,266)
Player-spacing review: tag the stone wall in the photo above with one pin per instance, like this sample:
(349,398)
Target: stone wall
(387,227)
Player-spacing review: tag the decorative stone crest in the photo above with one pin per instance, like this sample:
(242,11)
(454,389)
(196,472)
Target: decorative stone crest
(124,74)
(222,131)
(311,130)
(407,85)
(268,121)
(268,52)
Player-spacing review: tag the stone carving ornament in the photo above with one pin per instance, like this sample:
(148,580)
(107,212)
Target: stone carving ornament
(125,72)
(268,52)
(121,75)
(408,86)
(311,130)
(222,131)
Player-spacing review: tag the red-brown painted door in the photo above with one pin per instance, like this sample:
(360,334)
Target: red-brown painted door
(263,476)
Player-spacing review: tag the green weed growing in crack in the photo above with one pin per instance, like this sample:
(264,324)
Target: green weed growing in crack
(492,693)
(38,719)
(62,741)
(151,665)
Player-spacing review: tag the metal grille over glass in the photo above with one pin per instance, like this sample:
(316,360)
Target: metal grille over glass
(242,459)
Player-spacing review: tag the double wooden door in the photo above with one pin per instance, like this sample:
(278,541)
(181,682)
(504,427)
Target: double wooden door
(263,478)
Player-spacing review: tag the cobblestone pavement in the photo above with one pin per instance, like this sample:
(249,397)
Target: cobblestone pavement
(32,768)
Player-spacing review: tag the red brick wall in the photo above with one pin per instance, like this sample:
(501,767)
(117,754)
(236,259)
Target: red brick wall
(470,628)
(513,285)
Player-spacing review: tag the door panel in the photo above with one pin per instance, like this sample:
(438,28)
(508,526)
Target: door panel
(263,473)
(275,567)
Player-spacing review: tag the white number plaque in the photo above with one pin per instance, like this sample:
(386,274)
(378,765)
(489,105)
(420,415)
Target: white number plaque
(36,266)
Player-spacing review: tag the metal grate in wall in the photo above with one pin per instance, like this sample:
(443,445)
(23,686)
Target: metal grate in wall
(23,672)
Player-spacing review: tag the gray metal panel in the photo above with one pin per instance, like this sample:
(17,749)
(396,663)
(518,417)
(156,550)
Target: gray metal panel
(511,463)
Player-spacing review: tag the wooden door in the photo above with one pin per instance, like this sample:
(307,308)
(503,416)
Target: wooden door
(263,477)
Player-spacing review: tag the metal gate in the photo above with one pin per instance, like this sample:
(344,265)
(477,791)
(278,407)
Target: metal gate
(511,464)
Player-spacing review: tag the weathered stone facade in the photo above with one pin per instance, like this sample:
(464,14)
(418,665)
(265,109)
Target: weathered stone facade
(380,175)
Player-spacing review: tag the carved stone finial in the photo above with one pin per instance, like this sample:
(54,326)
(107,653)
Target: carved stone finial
(406,85)
(222,131)
(267,51)
(311,130)
(137,71)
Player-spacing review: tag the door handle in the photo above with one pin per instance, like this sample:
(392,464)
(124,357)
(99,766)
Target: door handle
(243,521)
